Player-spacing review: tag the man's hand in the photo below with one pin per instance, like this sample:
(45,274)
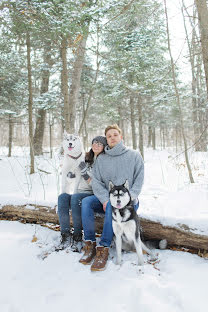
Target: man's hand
(104,205)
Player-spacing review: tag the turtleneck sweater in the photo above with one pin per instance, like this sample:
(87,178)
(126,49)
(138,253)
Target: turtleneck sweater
(117,164)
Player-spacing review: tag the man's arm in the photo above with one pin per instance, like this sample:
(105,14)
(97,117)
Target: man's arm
(98,186)
(138,177)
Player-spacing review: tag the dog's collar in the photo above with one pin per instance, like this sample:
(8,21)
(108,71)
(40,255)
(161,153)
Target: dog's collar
(73,157)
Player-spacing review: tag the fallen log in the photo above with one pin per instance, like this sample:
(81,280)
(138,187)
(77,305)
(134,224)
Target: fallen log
(180,235)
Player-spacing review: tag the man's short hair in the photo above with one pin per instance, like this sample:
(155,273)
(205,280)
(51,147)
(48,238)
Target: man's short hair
(115,126)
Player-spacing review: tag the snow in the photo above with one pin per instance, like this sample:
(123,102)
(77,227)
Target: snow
(177,282)
(167,196)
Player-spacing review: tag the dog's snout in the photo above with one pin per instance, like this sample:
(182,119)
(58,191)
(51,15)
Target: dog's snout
(70,144)
(118,201)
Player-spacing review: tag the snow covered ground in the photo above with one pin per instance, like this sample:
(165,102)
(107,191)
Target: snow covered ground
(178,282)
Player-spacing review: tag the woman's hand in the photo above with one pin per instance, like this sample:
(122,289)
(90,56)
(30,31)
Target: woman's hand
(89,180)
(83,168)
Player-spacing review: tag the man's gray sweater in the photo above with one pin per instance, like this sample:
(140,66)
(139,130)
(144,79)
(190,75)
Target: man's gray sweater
(118,164)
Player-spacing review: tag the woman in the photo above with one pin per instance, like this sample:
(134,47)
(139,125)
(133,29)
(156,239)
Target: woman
(73,202)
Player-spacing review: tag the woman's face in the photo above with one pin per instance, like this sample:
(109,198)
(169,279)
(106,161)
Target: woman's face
(97,148)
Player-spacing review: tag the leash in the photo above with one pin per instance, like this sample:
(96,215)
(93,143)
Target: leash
(73,157)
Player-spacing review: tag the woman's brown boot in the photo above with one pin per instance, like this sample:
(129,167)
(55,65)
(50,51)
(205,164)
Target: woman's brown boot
(89,252)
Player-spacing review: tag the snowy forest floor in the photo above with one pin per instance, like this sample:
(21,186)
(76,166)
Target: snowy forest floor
(178,282)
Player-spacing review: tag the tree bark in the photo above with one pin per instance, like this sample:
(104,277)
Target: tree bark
(180,235)
(86,109)
(178,100)
(64,83)
(153,139)
(202,10)
(41,114)
(30,102)
(203,25)
(50,140)
(133,128)
(149,136)
(10,135)
(141,138)
(192,56)
(75,82)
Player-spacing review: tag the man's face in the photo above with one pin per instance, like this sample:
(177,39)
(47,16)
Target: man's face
(113,137)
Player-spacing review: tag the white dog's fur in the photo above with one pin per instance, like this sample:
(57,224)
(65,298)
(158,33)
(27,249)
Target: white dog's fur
(126,223)
(73,155)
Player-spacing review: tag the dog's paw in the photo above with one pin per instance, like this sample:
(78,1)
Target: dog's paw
(140,261)
(163,243)
(118,261)
(153,257)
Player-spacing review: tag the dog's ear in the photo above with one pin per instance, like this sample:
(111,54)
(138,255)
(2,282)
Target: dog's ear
(110,185)
(126,184)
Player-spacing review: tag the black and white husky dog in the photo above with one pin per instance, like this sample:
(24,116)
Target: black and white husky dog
(73,155)
(125,221)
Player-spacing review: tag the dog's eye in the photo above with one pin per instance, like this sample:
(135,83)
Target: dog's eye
(67,139)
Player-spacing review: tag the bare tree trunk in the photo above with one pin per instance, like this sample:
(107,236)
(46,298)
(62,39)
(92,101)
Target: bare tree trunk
(75,82)
(40,120)
(10,136)
(192,52)
(203,25)
(30,103)
(50,139)
(202,10)
(176,138)
(83,131)
(141,138)
(64,83)
(121,122)
(85,111)
(133,128)
(149,136)
(178,100)
(153,139)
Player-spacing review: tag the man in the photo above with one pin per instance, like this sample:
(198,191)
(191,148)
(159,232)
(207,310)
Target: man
(117,164)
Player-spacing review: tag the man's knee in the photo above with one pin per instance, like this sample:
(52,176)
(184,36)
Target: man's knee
(87,201)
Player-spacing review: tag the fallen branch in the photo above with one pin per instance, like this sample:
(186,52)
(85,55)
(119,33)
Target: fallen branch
(180,235)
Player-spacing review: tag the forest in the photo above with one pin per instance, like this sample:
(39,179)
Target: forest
(81,65)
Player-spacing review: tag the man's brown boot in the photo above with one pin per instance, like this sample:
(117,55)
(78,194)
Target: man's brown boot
(89,252)
(101,258)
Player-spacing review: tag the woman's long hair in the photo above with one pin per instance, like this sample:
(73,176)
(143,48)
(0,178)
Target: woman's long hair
(89,156)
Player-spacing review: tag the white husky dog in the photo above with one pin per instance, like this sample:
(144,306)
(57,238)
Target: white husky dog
(73,155)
